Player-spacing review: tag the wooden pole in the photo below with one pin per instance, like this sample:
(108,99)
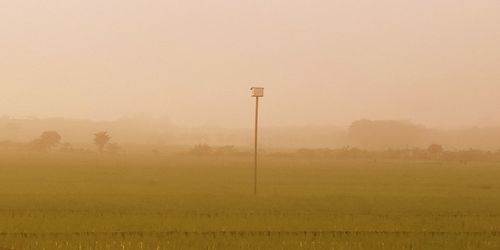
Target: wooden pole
(256,141)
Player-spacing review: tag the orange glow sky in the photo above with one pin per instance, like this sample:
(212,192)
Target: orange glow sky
(435,62)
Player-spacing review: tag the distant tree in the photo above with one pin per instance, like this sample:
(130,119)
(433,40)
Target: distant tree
(435,149)
(46,141)
(101,139)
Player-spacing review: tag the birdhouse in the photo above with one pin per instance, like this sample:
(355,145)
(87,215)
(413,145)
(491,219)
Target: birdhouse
(257,91)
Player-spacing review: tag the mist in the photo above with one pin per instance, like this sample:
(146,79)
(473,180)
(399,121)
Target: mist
(323,63)
(128,124)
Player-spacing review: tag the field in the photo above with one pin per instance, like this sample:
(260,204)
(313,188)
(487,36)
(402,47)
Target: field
(154,201)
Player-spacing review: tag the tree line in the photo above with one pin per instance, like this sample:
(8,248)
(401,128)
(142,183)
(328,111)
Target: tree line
(434,152)
(49,140)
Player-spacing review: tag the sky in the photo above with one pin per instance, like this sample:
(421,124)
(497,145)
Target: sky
(434,62)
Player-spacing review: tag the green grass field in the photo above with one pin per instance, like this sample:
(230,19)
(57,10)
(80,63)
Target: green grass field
(147,201)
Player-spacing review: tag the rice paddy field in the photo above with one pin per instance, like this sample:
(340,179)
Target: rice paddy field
(155,201)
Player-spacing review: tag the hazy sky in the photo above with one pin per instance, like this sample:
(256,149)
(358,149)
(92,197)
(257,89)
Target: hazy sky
(435,62)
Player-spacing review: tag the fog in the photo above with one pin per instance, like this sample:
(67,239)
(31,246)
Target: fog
(323,63)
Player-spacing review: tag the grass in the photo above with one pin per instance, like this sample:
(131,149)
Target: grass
(147,201)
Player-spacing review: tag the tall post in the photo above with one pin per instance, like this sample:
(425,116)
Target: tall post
(256,143)
(256,92)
